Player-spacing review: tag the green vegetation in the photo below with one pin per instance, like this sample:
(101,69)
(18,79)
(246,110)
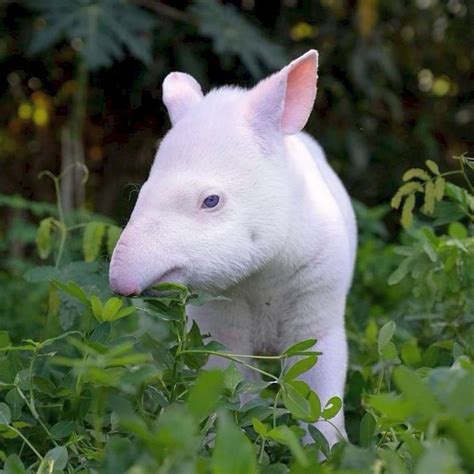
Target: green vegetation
(92,383)
(106,384)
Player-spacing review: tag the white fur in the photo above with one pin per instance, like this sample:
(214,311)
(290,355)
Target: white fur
(281,243)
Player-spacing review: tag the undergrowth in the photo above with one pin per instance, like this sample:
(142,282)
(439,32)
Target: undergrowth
(90,382)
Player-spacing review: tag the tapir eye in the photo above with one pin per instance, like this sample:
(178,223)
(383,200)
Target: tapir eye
(211,201)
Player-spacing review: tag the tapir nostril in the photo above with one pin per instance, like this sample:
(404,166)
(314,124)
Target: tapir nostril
(124,287)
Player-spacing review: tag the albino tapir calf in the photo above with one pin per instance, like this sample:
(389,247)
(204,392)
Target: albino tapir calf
(241,203)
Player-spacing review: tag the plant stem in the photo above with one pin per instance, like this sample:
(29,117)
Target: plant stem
(466,177)
(275,406)
(20,434)
(262,451)
(63,237)
(336,428)
(35,414)
(232,357)
(379,384)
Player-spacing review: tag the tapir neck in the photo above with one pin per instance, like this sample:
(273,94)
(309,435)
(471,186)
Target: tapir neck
(312,215)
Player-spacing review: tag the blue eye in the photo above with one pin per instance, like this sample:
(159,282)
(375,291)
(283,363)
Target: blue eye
(211,201)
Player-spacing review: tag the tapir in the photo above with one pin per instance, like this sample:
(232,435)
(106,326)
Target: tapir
(240,202)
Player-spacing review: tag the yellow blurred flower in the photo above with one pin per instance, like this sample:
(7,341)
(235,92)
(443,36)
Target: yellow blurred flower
(25,111)
(40,116)
(301,31)
(441,86)
(367,16)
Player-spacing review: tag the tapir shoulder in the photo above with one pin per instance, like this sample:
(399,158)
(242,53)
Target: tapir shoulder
(334,186)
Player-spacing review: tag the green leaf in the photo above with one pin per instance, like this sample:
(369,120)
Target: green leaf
(393,407)
(300,347)
(111,308)
(5,414)
(259,427)
(300,367)
(62,429)
(94,233)
(440,458)
(367,429)
(460,195)
(416,173)
(432,166)
(440,184)
(295,402)
(13,465)
(410,353)
(407,189)
(400,273)
(314,405)
(4,339)
(101,333)
(393,462)
(332,408)
(233,377)
(447,211)
(283,435)
(43,237)
(385,335)
(205,394)
(319,439)
(416,391)
(96,306)
(233,452)
(430,198)
(430,251)
(56,458)
(457,230)
(407,211)
(124,312)
(44,385)
(390,353)
(74,290)
(300,401)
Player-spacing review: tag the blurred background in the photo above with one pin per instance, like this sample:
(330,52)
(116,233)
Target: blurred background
(81,82)
(80,95)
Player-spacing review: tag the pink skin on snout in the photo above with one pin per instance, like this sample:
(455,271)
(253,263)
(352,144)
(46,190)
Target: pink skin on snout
(139,261)
(120,277)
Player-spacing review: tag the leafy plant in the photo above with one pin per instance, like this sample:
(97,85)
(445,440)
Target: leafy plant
(233,35)
(122,385)
(432,185)
(102,31)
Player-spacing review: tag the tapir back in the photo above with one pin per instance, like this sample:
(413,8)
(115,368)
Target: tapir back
(336,188)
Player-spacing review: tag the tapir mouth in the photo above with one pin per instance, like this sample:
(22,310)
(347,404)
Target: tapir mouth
(174,275)
(127,285)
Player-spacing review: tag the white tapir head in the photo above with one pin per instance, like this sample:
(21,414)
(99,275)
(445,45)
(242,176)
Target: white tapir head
(217,203)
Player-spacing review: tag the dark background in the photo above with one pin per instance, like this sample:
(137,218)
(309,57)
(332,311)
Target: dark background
(395,84)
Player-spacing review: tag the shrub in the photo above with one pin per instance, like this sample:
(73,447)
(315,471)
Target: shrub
(119,385)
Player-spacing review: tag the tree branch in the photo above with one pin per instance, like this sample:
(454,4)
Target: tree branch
(167,10)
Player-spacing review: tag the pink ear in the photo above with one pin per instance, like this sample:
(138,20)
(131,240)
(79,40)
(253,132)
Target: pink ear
(286,98)
(181,92)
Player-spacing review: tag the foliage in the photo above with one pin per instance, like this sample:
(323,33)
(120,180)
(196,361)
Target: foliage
(393,86)
(102,31)
(94,383)
(232,35)
(121,385)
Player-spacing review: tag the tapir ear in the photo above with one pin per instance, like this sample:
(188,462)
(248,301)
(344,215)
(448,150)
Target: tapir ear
(286,98)
(181,92)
